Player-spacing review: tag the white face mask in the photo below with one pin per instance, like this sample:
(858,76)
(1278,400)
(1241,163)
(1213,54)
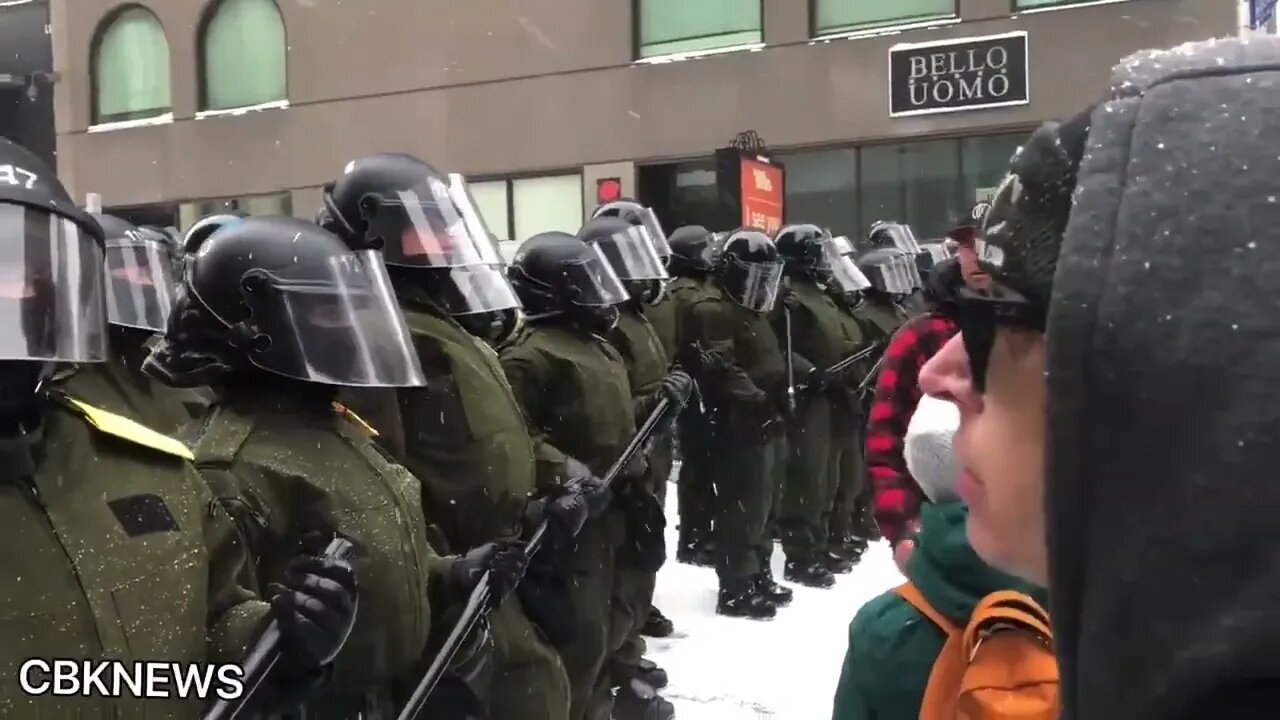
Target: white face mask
(927,448)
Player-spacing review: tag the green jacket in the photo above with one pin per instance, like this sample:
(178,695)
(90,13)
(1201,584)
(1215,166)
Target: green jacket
(120,386)
(465,435)
(753,373)
(574,389)
(114,548)
(647,364)
(892,647)
(662,317)
(288,464)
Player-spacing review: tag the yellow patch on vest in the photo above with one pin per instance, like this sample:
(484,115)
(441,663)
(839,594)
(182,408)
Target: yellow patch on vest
(130,430)
(350,414)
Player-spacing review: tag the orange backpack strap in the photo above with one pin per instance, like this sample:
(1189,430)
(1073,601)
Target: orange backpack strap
(912,594)
(1008,609)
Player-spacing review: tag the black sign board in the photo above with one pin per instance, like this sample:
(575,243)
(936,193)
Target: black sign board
(954,75)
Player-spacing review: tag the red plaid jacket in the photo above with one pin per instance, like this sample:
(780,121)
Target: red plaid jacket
(897,496)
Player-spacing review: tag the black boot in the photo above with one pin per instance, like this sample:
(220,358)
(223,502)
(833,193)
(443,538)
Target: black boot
(772,591)
(696,552)
(637,700)
(836,564)
(657,625)
(652,675)
(808,573)
(745,603)
(848,547)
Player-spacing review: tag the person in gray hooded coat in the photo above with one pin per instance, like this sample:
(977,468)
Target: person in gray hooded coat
(1138,478)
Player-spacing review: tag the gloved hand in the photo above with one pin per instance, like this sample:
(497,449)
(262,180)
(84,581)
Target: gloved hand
(678,387)
(593,490)
(315,607)
(504,560)
(817,380)
(566,510)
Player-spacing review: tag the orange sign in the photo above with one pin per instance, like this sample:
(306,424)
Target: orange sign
(761,195)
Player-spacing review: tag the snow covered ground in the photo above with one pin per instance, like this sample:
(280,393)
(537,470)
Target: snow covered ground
(782,669)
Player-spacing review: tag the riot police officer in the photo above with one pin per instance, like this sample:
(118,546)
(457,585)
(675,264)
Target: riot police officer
(630,251)
(744,392)
(690,267)
(658,312)
(140,288)
(811,323)
(120,550)
(462,434)
(278,314)
(574,387)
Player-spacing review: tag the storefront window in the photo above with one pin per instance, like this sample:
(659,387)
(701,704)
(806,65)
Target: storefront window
(542,204)
(676,26)
(834,16)
(280,204)
(986,160)
(493,203)
(822,187)
(515,210)
(931,186)
(880,187)
(1028,4)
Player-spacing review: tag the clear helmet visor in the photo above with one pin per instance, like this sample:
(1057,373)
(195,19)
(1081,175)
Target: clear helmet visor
(140,283)
(754,286)
(475,289)
(52,300)
(346,329)
(895,235)
(436,224)
(592,281)
(633,255)
(658,236)
(885,271)
(842,274)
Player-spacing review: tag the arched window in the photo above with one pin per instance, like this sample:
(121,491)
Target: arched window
(242,50)
(130,67)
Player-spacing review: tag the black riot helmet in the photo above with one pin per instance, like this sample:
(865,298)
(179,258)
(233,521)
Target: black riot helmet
(52,299)
(888,234)
(140,281)
(630,254)
(690,252)
(930,255)
(427,227)
(640,216)
(889,271)
(801,249)
(750,269)
(283,295)
(557,275)
(204,227)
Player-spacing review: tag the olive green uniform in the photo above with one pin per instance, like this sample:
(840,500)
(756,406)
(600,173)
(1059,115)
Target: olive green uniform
(574,389)
(114,548)
(287,464)
(848,421)
(820,337)
(743,398)
(467,441)
(647,364)
(119,386)
(662,318)
(696,499)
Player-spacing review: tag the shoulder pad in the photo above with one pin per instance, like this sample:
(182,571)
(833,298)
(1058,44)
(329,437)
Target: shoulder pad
(126,429)
(351,415)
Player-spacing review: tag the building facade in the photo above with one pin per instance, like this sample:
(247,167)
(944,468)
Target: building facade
(26,76)
(878,109)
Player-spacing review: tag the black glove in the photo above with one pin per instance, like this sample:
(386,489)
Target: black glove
(566,510)
(678,387)
(504,560)
(316,609)
(817,380)
(584,482)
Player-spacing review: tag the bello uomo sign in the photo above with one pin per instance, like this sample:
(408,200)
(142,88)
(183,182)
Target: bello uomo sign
(954,75)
